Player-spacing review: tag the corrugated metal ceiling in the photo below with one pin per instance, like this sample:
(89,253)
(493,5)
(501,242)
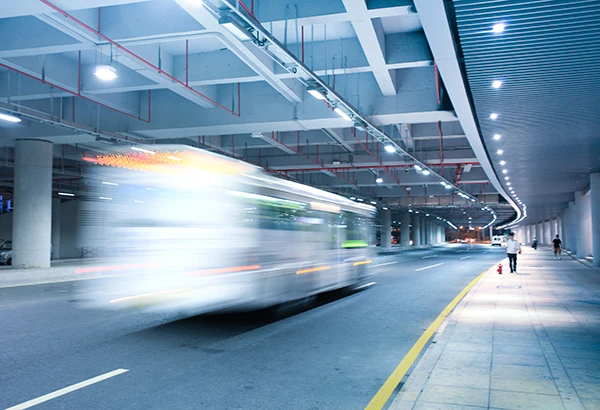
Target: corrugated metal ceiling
(548,59)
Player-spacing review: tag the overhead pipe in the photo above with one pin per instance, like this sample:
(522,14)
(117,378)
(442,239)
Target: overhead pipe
(352,131)
(138,58)
(78,93)
(362,167)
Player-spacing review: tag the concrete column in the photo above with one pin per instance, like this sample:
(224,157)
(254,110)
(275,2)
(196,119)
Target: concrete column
(416,230)
(580,221)
(386,228)
(543,230)
(32,218)
(405,229)
(422,230)
(573,227)
(595,205)
(563,228)
(55,228)
(559,227)
(538,232)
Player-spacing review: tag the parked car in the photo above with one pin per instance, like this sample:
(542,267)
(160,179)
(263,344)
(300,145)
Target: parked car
(6,253)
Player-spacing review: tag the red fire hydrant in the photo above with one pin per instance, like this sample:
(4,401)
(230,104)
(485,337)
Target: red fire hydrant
(500,269)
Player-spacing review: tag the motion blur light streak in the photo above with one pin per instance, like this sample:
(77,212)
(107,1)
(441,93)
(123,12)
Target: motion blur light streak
(225,270)
(112,268)
(317,269)
(362,263)
(164,292)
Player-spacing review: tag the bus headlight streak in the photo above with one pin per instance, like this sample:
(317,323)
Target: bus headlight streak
(319,206)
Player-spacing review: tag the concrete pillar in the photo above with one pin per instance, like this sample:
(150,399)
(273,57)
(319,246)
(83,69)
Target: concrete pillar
(595,208)
(416,230)
(573,227)
(580,223)
(422,230)
(386,228)
(559,227)
(55,228)
(538,232)
(32,218)
(562,228)
(405,229)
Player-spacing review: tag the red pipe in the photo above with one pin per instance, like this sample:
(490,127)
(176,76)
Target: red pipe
(441,145)
(135,56)
(187,56)
(437,81)
(302,44)
(239,100)
(99,18)
(77,94)
(361,167)
(458,174)
(251,12)
(372,156)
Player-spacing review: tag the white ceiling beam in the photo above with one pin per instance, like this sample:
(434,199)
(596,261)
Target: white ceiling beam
(372,39)
(247,52)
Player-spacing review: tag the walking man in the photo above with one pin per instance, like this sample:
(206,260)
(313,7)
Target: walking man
(556,243)
(512,248)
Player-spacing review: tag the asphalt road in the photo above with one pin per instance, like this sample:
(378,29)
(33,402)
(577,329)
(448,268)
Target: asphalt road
(335,355)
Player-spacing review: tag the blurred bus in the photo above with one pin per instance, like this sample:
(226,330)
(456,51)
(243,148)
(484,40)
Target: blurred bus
(183,228)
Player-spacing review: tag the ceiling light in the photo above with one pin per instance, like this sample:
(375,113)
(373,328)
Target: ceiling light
(506,178)
(360,200)
(379,180)
(147,151)
(493,116)
(497,84)
(498,28)
(426,172)
(373,203)
(508,183)
(9,118)
(65,194)
(315,92)
(390,148)
(418,168)
(106,72)
(342,114)
(497,136)
(504,171)
(385,209)
(109,183)
(235,28)
(502,163)
(352,198)
(105,198)
(443,183)
(500,152)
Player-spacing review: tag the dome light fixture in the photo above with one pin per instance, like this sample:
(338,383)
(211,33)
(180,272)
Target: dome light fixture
(106,72)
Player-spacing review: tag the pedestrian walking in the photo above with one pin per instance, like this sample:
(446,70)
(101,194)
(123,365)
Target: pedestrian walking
(557,245)
(513,247)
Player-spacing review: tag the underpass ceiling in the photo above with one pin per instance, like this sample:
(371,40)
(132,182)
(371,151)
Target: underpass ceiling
(184,79)
(547,61)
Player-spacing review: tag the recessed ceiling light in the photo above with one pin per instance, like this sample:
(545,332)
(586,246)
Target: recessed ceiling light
(500,152)
(507,178)
(497,84)
(9,118)
(497,136)
(352,198)
(504,171)
(373,203)
(493,116)
(106,72)
(390,148)
(502,163)
(508,183)
(426,172)
(498,28)
(379,180)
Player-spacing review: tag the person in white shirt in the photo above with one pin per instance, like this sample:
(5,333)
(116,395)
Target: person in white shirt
(512,248)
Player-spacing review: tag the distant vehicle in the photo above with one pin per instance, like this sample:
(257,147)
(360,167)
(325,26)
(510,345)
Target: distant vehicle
(498,241)
(6,253)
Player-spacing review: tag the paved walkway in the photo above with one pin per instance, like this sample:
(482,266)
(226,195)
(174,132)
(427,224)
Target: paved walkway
(525,341)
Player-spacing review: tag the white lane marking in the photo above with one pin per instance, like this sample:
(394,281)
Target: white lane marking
(66,390)
(366,285)
(430,256)
(428,267)
(383,264)
(465,257)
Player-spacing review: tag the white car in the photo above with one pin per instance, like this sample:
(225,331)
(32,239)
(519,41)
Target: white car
(498,241)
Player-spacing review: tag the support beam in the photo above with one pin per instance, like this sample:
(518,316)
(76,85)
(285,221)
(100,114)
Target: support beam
(372,38)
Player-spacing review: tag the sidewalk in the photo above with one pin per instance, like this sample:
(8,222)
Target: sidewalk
(524,341)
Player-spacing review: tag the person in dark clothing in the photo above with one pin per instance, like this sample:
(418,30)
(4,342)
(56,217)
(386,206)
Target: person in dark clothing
(556,244)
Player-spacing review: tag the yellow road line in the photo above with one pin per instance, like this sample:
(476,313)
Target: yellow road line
(362,263)
(386,391)
(300,272)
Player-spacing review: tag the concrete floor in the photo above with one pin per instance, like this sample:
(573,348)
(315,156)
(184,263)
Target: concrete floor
(335,355)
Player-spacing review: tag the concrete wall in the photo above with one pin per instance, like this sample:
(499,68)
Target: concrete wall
(6,225)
